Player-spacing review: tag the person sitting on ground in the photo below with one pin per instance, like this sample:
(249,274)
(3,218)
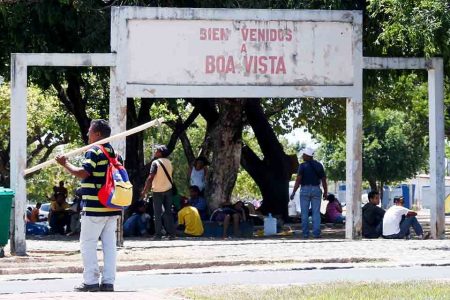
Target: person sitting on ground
(230,212)
(198,202)
(34,217)
(59,216)
(334,210)
(398,220)
(138,223)
(372,217)
(197,173)
(189,220)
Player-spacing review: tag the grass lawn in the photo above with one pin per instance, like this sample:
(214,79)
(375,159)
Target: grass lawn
(342,290)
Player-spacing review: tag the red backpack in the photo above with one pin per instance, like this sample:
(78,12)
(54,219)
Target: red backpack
(117,192)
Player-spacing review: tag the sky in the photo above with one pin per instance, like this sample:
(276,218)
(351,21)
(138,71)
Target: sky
(299,135)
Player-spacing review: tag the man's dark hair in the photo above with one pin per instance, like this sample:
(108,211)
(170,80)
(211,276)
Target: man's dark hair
(195,188)
(101,126)
(398,199)
(331,197)
(38,205)
(372,194)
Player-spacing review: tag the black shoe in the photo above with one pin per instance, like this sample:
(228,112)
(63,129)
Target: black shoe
(172,237)
(86,288)
(106,287)
(156,238)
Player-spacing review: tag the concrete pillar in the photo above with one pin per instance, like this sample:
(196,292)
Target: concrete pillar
(18,154)
(354,133)
(437,147)
(353,169)
(118,97)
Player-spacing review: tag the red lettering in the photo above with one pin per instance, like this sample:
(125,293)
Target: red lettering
(230,65)
(253,35)
(273,35)
(244,32)
(202,34)
(220,64)
(224,34)
(262,34)
(216,35)
(288,35)
(248,60)
(281,68)
(272,63)
(243,48)
(262,65)
(209,66)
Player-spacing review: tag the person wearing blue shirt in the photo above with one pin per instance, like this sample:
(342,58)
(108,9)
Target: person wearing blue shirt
(310,175)
(198,202)
(138,222)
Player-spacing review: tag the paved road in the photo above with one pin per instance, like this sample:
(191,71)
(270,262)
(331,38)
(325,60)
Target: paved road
(141,281)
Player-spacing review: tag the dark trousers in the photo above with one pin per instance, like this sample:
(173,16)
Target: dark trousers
(405,224)
(161,200)
(59,220)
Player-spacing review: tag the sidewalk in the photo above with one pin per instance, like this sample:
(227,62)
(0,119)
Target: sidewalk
(50,257)
(142,295)
(60,255)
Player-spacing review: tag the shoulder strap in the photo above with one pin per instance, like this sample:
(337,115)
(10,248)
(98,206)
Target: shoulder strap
(105,152)
(165,171)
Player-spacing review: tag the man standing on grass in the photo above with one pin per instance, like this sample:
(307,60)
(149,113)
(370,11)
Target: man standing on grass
(97,221)
(310,175)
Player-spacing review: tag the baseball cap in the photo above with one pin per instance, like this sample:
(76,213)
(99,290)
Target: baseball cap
(163,149)
(308,151)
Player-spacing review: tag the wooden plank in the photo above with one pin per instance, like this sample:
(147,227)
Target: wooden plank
(112,138)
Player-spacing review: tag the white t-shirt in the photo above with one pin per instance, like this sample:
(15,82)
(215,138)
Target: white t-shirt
(392,218)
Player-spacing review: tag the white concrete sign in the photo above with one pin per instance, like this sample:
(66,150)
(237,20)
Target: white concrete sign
(227,52)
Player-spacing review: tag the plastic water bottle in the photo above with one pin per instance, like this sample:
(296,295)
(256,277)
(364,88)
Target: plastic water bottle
(292,208)
(270,225)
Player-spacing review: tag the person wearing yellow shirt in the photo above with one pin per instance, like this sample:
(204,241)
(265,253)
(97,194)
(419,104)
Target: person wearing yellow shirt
(189,218)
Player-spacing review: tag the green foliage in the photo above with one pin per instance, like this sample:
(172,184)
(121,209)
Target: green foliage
(46,118)
(412,27)
(413,290)
(393,149)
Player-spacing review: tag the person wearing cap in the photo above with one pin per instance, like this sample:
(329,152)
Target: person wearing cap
(372,217)
(309,177)
(161,183)
(398,220)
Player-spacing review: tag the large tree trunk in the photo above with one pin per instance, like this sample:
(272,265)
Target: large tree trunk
(226,140)
(272,174)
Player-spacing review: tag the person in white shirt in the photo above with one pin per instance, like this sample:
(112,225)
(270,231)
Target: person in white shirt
(398,220)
